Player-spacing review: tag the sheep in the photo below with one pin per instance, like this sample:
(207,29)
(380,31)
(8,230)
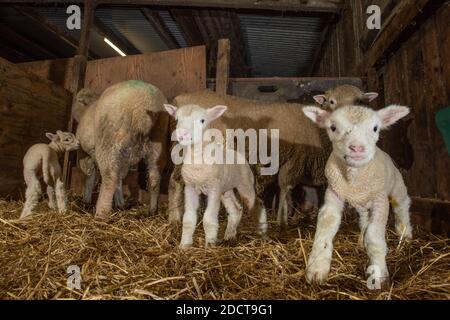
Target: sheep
(129,124)
(361,174)
(84,112)
(344,95)
(216,180)
(41,160)
(308,169)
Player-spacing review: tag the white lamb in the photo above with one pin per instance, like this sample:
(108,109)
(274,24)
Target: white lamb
(360,173)
(215,180)
(41,160)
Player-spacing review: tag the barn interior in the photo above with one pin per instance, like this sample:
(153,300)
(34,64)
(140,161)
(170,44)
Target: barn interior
(268,50)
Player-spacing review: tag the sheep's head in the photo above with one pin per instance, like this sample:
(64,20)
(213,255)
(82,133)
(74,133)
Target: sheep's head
(86,96)
(192,121)
(355,130)
(65,140)
(343,96)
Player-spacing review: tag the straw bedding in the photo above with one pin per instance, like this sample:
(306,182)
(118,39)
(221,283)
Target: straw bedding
(136,257)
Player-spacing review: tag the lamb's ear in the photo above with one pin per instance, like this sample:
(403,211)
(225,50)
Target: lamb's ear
(392,114)
(320,99)
(51,136)
(316,114)
(172,110)
(370,96)
(215,112)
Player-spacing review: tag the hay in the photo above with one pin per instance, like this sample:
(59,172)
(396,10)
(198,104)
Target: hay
(133,257)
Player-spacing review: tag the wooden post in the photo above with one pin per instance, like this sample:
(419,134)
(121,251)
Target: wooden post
(223,66)
(78,74)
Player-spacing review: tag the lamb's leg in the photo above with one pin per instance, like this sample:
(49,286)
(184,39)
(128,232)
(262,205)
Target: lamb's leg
(282,208)
(119,201)
(61,198)
(328,222)
(110,179)
(191,203)
(254,204)
(261,217)
(363,222)
(400,205)
(375,243)
(176,186)
(211,218)
(234,210)
(51,197)
(32,194)
(89,187)
(153,176)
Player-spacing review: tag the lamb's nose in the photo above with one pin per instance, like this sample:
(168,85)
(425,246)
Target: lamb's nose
(182,135)
(356,149)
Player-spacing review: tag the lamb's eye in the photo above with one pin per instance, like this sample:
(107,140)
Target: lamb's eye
(332,101)
(333,128)
(202,121)
(375,129)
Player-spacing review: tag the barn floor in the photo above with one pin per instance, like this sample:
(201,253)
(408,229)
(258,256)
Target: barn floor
(133,257)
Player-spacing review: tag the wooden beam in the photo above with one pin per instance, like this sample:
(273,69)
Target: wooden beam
(78,75)
(126,46)
(402,16)
(185,19)
(319,50)
(164,33)
(223,66)
(52,28)
(24,43)
(276,5)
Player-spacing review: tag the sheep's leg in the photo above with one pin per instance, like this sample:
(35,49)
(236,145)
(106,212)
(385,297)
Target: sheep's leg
(261,217)
(176,186)
(61,198)
(119,200)
(328,222)
(191,203)
(89,187)
(311,198)
(363,222)
(51,197)
(32,194)
(375,244)
(153,176)
(400,204)
(282,208)
(211,218)
(107,189)
(234,210)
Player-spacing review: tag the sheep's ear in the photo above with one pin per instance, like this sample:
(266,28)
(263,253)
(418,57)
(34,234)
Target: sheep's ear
(392,114)
(51,136)
(172,110)
(317,115)
(215,112)
(320,99)
(370,96)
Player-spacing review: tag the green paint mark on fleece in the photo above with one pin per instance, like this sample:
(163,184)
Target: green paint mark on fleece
(142,84)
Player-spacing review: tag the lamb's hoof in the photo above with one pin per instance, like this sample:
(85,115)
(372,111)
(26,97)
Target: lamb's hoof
(317,273)
(230,235)
(404,232)
(185,246)
(101,217)
(378,282)
(51,206)
(210,244)
(282,227)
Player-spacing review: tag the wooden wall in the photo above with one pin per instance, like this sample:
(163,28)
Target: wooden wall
(416,74)
(174,71)
(29,107)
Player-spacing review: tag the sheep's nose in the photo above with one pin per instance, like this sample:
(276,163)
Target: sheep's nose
(357,149)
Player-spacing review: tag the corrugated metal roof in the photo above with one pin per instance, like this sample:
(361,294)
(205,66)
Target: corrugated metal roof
(173,27)
(281,46)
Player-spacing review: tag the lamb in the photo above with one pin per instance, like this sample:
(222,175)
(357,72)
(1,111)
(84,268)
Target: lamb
(129,124)
(301,144)
(84,113)
(41,160)
(360,173)
(215,179)
(344,95)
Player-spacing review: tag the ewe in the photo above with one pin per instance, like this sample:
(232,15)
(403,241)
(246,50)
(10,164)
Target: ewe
(359,173)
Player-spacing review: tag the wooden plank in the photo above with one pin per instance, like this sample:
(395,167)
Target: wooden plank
(174,71)
(431,215)
(443,32)
(30,106)
(402,16)
(278,5)
(223,66)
